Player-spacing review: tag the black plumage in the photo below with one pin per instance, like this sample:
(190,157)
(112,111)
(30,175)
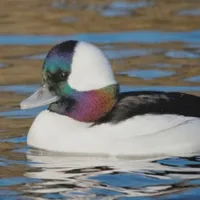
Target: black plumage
(131,104)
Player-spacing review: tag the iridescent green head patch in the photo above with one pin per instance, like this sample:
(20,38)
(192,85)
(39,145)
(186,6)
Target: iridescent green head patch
(57,66)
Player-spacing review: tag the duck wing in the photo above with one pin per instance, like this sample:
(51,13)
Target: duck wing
(131,104)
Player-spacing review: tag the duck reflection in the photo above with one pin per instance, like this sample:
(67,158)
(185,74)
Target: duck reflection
(83,177)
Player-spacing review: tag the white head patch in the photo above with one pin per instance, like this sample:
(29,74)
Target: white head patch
(90,68)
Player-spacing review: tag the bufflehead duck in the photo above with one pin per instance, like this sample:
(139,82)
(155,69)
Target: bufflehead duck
(87,113)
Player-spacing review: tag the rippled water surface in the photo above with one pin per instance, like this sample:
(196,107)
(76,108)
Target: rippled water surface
(151,44)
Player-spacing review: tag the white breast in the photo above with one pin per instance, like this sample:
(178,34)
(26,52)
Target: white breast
(146,135)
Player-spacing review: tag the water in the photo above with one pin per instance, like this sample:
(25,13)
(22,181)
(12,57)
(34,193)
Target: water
(147,74)
(151,46)
(142,37)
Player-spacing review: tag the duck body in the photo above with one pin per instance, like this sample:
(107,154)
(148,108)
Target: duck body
(141,124)
(87,113)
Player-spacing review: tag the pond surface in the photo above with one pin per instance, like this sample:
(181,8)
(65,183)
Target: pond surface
(151,44)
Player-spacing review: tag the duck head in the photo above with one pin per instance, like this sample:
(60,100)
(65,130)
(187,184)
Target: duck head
(77,81)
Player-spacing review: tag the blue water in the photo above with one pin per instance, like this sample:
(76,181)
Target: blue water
(2,65)
(147,74)
(192,12)
(116,8)
(142,37)
(193,79)
(181,54)
(121,8)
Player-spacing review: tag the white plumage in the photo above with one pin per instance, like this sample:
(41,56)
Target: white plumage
(146,135)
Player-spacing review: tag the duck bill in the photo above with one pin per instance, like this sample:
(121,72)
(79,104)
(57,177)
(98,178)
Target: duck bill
(40,98)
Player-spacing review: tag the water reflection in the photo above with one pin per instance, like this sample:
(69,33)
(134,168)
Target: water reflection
(193,79)
(2,65)
(165,65)
(69,19)
(76,176)
(147,74)
(123,8)
(181,54)
(114,9)
(148,37)
(192,12)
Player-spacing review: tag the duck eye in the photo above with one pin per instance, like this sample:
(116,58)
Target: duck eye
(63,75)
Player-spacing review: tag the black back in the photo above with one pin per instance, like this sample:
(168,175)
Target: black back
(131,104)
